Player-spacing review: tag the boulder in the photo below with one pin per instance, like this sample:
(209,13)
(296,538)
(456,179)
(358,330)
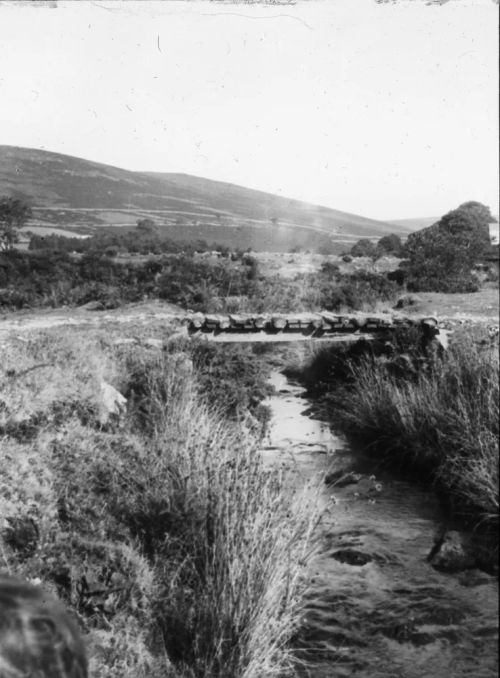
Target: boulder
(152,342)
(408,300)
(112,404)
(279,322)
(473,578)
(196,321)
(452,553)
(352,557)
(93,306)
(124,341)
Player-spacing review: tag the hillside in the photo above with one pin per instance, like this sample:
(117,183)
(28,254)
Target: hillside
(83,196)
(416,224)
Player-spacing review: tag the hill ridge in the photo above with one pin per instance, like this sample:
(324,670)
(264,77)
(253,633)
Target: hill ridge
(83,195)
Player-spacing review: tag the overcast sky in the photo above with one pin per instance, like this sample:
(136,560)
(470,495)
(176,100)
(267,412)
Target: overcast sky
(385,110)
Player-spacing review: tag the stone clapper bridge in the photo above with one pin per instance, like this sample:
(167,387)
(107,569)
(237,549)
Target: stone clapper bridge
(324,326)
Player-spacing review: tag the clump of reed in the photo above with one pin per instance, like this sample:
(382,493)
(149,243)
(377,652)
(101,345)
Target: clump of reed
(435,415)
(178,551)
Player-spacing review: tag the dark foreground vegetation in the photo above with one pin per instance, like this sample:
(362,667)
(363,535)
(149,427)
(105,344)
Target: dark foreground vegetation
(104,269)
(180,555)
(433,414)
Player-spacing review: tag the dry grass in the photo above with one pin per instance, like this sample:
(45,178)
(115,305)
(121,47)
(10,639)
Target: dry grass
(484,304)
(178,552)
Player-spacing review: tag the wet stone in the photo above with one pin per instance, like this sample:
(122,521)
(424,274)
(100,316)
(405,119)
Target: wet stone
(473,578)
(452,553)
(352,557)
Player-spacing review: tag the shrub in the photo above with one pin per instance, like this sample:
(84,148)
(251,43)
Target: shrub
(356,291)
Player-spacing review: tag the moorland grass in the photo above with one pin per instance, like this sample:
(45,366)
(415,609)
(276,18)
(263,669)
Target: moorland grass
(178,552)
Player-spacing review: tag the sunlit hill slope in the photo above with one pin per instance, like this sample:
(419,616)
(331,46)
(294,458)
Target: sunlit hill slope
(83,196)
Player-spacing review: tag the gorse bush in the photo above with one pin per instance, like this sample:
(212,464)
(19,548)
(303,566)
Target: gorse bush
(357,291)
(179,553)
(52,278)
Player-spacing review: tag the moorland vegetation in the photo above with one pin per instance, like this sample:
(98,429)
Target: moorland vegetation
(180,554)
(425,412)
(434,413)
(105,268)
(59,271)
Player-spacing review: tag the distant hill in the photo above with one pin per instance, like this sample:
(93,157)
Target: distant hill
(83,196)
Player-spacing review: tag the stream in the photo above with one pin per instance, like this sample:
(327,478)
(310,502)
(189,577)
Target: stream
(376,608)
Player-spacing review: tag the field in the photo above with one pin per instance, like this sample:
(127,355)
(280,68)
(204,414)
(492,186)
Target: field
(291,265)
(482,305)
(50,230)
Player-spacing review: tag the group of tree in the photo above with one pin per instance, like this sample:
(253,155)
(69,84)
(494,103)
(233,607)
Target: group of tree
(441,258)
(387,245)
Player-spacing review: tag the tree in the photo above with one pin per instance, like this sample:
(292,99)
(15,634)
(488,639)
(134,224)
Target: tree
(363,248)
(440,258)
(14,213)
(390,244)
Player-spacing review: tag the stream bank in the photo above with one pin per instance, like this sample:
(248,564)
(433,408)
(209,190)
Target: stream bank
(376,607)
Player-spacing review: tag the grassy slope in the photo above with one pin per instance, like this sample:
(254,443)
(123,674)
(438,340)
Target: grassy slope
(87,194)
(198,553)
(415,224)
(484,304)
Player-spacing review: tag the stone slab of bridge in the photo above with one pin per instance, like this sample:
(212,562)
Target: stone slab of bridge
(302,326)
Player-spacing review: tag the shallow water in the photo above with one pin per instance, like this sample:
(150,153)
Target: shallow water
(385,613)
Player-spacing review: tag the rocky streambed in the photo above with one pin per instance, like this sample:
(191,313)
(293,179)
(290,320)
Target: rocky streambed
(383,602)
